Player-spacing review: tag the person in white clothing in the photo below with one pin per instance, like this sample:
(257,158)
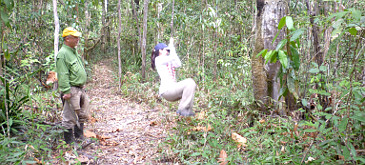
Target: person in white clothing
(165,60)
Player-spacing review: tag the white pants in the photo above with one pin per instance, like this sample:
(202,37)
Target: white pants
(183,90)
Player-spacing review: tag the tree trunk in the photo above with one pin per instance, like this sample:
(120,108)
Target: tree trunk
(57,29)
(86,31)
(137,24)
(274,11)
(172,19)
(118,38)
(145,13)
(259,82)
(103,20)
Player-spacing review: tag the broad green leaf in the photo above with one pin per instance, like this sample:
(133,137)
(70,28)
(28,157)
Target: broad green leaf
(281,23)
(292,87)
(283,59)
(314,70)
(358,117)
(345,152)
(295,58)
(263,52)
(4,17)
(336,33)
(296,34)
(356,14)
(269,55)
(304,102)
(323,68)
(7,3)
(281,44)
(352,148)
(7,55)
(274,57)
(343,124)
(289,22)
(353,31)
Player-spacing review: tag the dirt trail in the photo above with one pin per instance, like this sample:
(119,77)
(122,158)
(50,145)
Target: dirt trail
(128,133)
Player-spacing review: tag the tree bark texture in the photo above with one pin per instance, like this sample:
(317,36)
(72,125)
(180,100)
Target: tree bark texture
(57,29)
(145,13)
(257,62)
(118,39)
(273,12)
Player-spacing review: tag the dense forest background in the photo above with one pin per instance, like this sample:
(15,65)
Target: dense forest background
(285,80)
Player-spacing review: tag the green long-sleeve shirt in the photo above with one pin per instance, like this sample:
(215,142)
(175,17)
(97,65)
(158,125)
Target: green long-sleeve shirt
(70,69)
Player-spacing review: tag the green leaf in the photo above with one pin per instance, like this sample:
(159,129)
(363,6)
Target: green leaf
(353,31)
(281,44)
(8,4)
(196,154)
(289,22)
(295,58)
(281,23)
(323,68)
(263,52)
(4,17)
(314,70)
(296,34)
(343,124)
(356,14)
(359,117)
(292,87)
(310,130)
(304,102)
(283,59)
(346,152)
(269,55)
(7,55)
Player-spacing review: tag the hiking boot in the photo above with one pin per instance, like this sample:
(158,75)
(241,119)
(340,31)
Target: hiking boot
(79,132)
(69,137)
(185,112)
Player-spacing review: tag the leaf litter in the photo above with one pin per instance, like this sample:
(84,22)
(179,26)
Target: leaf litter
(125,132)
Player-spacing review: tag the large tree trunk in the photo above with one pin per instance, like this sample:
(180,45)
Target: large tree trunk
(257,62)
(274,11)
(145,13)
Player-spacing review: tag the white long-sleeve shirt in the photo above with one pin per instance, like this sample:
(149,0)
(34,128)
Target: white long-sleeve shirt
(165,66)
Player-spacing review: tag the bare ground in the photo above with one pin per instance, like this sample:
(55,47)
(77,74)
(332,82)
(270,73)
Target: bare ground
(127,132)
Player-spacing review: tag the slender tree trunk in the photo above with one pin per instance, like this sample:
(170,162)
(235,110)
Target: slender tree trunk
(57,29)
(135,15)
(172,19)
(257,62)
(86,31)
(103,20)
(145,13)
(118,38)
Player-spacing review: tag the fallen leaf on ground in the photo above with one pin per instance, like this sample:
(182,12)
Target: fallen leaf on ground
(83,159)
(239,139)
(222,158)
(89,134)
(153,123)
(202,128)
(201,115)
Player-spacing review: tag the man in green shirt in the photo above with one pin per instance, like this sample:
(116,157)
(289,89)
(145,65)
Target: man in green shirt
(71,79)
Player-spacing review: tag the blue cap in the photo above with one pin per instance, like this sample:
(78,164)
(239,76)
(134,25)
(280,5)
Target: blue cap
(160,46)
